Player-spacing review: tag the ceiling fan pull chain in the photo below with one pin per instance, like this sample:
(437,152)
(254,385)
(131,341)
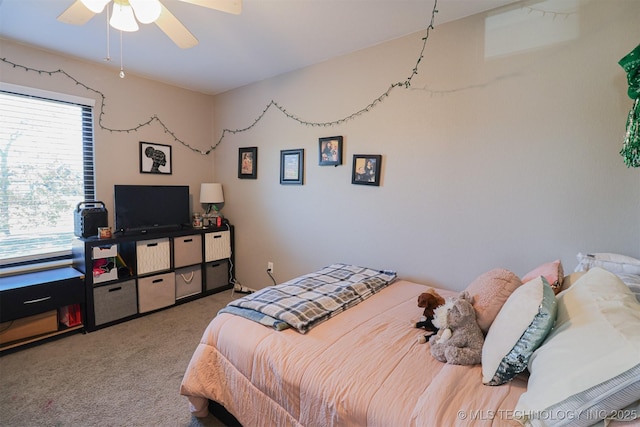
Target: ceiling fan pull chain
(108,58)
(121,66)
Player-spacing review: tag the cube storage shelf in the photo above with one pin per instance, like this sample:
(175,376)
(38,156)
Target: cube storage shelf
(129,276)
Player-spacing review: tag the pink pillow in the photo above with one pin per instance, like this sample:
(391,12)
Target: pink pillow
(490,291)
(552,271)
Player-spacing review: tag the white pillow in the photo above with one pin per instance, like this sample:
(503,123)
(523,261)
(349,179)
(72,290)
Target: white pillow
(589,365)
(522,324)
(615,263)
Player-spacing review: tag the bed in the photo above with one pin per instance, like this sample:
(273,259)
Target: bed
(366,367)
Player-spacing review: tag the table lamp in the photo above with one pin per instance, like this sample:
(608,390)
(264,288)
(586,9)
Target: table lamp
(211,194)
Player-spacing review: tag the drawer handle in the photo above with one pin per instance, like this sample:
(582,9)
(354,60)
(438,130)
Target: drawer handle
(188,240)
(189,279)
(115,289)
(149,245)
(158,281)
(35,301)
(218,236)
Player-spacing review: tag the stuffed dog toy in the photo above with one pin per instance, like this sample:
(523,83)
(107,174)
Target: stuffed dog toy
(428,300)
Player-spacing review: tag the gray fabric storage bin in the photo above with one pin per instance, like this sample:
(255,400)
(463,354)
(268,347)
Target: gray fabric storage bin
(216,274)
(188,281)
(113,302)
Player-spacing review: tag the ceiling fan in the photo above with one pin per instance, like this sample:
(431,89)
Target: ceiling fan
(125,15)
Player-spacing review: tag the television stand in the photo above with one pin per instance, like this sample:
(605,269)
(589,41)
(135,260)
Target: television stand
(135,273)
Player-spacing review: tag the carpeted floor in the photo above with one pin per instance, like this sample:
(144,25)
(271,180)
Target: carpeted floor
(124,375)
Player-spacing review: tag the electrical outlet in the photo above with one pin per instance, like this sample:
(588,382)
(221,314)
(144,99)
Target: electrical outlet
(270,267)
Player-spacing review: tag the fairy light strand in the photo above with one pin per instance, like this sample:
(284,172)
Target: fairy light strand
(405,84)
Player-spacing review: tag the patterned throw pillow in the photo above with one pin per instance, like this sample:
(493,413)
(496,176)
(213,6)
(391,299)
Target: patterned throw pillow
(521,326)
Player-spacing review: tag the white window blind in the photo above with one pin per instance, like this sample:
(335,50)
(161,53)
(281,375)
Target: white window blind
(46,169)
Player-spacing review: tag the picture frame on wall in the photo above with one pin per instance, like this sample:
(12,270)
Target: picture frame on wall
(330,151)
(366,169)
(248,163)
(292,166)
(155,158)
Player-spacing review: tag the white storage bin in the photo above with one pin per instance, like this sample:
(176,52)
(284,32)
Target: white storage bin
(217,246)
(104,270)
(153,255)
(156,292)
(106,251)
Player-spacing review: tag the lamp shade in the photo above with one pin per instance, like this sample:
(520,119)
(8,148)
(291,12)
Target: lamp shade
(211,193)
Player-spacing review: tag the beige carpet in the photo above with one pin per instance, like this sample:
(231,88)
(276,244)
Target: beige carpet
(124,375)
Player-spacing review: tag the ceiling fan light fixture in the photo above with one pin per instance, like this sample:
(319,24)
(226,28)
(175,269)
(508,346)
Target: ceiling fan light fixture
(146,11)
(95,6)
(122,17)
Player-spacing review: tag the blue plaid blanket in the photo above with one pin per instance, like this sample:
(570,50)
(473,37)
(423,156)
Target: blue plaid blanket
(309,300)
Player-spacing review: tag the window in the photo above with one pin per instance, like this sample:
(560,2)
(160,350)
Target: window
(46,169)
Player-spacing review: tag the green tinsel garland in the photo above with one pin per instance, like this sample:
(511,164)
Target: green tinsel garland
(631,148)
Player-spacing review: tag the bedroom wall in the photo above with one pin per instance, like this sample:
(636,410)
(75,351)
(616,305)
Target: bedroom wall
(129,102)
(508,161)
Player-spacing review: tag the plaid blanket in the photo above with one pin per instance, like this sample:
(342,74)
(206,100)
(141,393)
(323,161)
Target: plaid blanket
(309,300)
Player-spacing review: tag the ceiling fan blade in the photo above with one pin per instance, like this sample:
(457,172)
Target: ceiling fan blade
(229,6)
(76,14)
(174,29)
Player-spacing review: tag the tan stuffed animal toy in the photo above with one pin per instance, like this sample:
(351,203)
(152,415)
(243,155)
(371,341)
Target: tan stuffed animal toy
(459,340)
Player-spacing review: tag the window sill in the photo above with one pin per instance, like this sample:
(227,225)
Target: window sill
(30,268)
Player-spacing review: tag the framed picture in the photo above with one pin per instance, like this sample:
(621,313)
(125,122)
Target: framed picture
(155,158)
(248,163)
(291,166)
(366,169)
(330,151)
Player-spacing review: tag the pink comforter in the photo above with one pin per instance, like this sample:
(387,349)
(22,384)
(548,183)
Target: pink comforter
(364,367)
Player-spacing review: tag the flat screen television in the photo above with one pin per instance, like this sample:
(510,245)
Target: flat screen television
(149,208)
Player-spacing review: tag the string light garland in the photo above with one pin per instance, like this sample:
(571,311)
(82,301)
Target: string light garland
(405,84)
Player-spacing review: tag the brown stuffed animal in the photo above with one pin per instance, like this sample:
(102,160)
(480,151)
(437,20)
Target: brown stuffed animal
(428,300)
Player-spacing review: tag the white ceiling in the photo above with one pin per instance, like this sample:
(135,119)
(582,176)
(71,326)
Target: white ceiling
(268,38)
